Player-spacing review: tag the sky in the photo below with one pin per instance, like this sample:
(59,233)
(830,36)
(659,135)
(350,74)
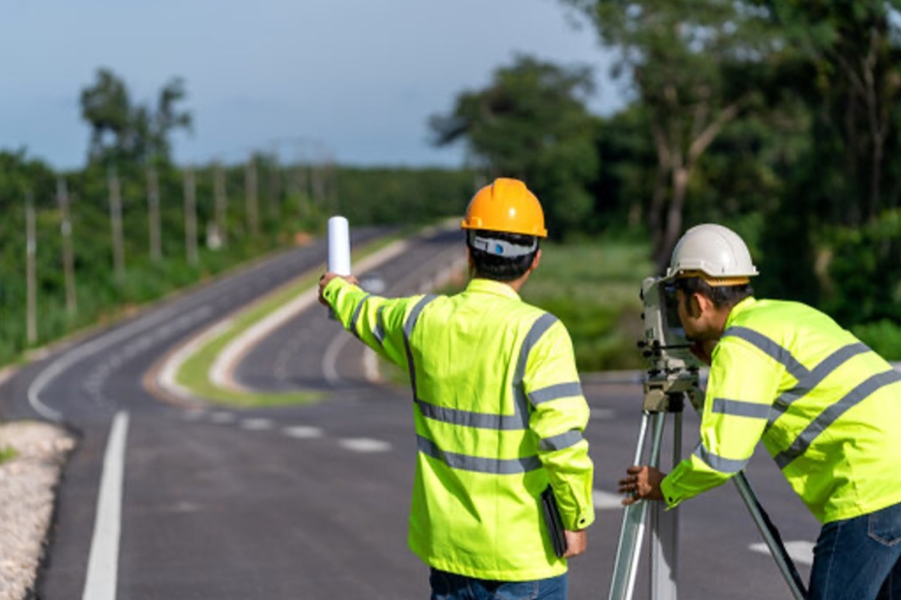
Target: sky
(352,80)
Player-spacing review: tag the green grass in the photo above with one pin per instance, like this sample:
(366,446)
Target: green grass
(593,288)
(194,372)
(7,453)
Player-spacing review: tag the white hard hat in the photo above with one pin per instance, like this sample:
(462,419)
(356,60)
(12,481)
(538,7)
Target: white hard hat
(713,251)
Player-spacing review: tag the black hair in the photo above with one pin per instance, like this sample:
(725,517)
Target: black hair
(501,268)
(722,296)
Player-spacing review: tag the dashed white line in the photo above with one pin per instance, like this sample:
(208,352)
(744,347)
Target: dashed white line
(302,432)
(364,445)
(256,424)
(800,551)
(222,417)
(103,562)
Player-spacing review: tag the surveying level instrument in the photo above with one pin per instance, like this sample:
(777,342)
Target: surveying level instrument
(672,376)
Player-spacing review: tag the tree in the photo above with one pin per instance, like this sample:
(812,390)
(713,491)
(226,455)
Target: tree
(851,52)
(123,132)
(531,123)
(693,65)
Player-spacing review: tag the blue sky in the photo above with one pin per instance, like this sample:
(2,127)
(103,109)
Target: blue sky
(360,76)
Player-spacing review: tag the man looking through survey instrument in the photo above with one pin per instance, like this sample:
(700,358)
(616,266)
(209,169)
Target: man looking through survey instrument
(827,408)
(498,409)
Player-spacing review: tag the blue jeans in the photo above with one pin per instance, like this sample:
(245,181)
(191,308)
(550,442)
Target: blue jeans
(448,586)
(859,558)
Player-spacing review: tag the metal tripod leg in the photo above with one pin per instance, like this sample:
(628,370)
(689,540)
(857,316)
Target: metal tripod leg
(771,537)
(632,532)
(665,535)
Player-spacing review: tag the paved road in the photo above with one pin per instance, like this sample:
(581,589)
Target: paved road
(311,502)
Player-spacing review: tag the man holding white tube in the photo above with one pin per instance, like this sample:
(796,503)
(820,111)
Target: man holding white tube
(498,407)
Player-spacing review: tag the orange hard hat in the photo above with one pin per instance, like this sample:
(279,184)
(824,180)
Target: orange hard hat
(505,205)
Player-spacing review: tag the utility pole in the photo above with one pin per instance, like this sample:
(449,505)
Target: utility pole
(62,196)
(221,203)
(274,185)
(190,217)
(153,213)
(115,210)
(250,188)
(31,285)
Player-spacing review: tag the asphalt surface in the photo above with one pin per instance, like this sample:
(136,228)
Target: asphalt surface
(311,502)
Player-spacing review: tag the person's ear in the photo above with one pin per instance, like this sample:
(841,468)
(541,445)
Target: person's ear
(535,261)
(700,305)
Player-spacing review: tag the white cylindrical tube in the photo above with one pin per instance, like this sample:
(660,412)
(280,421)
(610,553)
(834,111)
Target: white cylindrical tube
(338,245)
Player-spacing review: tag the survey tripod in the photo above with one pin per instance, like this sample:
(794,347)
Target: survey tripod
(665,391)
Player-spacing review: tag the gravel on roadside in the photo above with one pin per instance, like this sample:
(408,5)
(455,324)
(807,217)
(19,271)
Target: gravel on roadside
(28,484)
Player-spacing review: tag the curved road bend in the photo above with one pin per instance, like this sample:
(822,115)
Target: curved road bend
(311,502)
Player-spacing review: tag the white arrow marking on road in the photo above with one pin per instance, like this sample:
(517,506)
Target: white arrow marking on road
(800,551)
(302,432)
(606,500)
(103,563)
(364,445)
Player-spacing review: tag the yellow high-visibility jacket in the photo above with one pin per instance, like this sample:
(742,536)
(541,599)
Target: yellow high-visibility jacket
(499,414)
(827,408)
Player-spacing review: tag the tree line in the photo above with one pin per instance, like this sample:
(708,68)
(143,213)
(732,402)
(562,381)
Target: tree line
(780,119)
(776,118)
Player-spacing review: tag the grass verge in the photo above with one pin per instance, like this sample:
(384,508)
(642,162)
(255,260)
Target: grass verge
(7,453)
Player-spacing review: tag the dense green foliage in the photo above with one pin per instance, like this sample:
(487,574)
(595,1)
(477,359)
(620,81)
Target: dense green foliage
(289,204)
(778,118)
(531,123)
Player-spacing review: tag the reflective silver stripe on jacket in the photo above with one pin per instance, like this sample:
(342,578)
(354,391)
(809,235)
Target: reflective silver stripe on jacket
(378,332)
(494,466)
(559,442)
(831,414)
(718,463)
(409,324)
(356,316)
(519,420)
(555,392)
(740,408)
(468,418)
(826,367)
(771,349)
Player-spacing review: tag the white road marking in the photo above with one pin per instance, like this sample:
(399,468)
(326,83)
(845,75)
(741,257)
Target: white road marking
(364,445)
(222,417)
(230,356)
(192,415)
(302,432)
(371,365)
(330,358)
(256,424)
(606,500)
(603,414)
(93,347)
(103,562)
(800,551)
(168,375)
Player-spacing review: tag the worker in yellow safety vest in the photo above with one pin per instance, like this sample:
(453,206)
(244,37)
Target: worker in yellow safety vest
(827,408)
(498,409)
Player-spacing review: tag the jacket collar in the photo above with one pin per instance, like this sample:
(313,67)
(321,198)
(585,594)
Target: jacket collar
(488,286)
(738,309)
